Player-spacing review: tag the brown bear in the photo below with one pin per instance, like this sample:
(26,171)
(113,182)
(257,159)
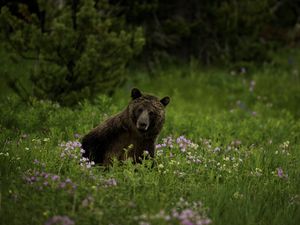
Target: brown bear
(135,129)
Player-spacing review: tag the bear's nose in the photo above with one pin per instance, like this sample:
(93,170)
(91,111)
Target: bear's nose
(142,126)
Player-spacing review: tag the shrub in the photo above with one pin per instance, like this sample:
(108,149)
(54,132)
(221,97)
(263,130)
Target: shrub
(78,48)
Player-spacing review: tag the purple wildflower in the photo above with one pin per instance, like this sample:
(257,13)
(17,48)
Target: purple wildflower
(60,220)
(45,175)
(68,180)
(73,150)
(280,173)
(158,146)
(55,177)
(184,213)
(186,222)
(62,185)
(41,180)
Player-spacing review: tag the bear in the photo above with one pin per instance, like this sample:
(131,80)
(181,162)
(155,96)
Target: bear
(129,133)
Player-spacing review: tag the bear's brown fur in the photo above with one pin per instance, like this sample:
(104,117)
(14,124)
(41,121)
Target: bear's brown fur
(135,129)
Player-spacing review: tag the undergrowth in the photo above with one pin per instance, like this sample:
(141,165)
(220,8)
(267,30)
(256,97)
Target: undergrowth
(228,154)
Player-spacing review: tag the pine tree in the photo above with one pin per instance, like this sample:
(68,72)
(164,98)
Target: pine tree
(78,48)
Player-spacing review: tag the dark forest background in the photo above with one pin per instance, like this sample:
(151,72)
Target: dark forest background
(82,48)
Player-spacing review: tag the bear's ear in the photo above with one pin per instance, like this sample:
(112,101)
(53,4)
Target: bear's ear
(135,93)
(165,101)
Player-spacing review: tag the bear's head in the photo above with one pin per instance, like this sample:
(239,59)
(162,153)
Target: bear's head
(147,112)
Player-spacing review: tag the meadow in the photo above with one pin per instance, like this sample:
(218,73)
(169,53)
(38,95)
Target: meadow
(228,154)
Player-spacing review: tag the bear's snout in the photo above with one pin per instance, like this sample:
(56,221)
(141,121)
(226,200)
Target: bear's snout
(143,121)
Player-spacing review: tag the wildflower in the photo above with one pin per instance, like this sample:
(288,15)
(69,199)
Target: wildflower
(258,172)
(235,165)
(184,213)
(68,180)
(243,70)
(236,143)
(280,173)
(144,223)
(252,85)
(238,195)
(46,213)
(24,136)
(160,166)
(217,149)
(77,136)
(60,220)
(55,177)
(226,158)
(73,150)
(186,222)
(110,182)
(62,185)
(295,200)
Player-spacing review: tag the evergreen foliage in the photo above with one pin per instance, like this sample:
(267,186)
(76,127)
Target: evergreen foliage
(78,48)
(211,31)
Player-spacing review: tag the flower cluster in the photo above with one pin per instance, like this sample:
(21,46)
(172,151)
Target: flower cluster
(59,220)
(184,213)
(257,172)
(41,180)
(224,159)
(181,142)
(233,146)
(193,158)
(238,195)
(284,148)
(167,142)
(73,150)
(6,154)
(184,145)
(111,182)
(86,163)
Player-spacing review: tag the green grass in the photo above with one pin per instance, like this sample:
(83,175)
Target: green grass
(244,137)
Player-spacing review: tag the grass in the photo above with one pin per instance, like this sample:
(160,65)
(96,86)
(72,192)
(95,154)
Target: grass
(240,157)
